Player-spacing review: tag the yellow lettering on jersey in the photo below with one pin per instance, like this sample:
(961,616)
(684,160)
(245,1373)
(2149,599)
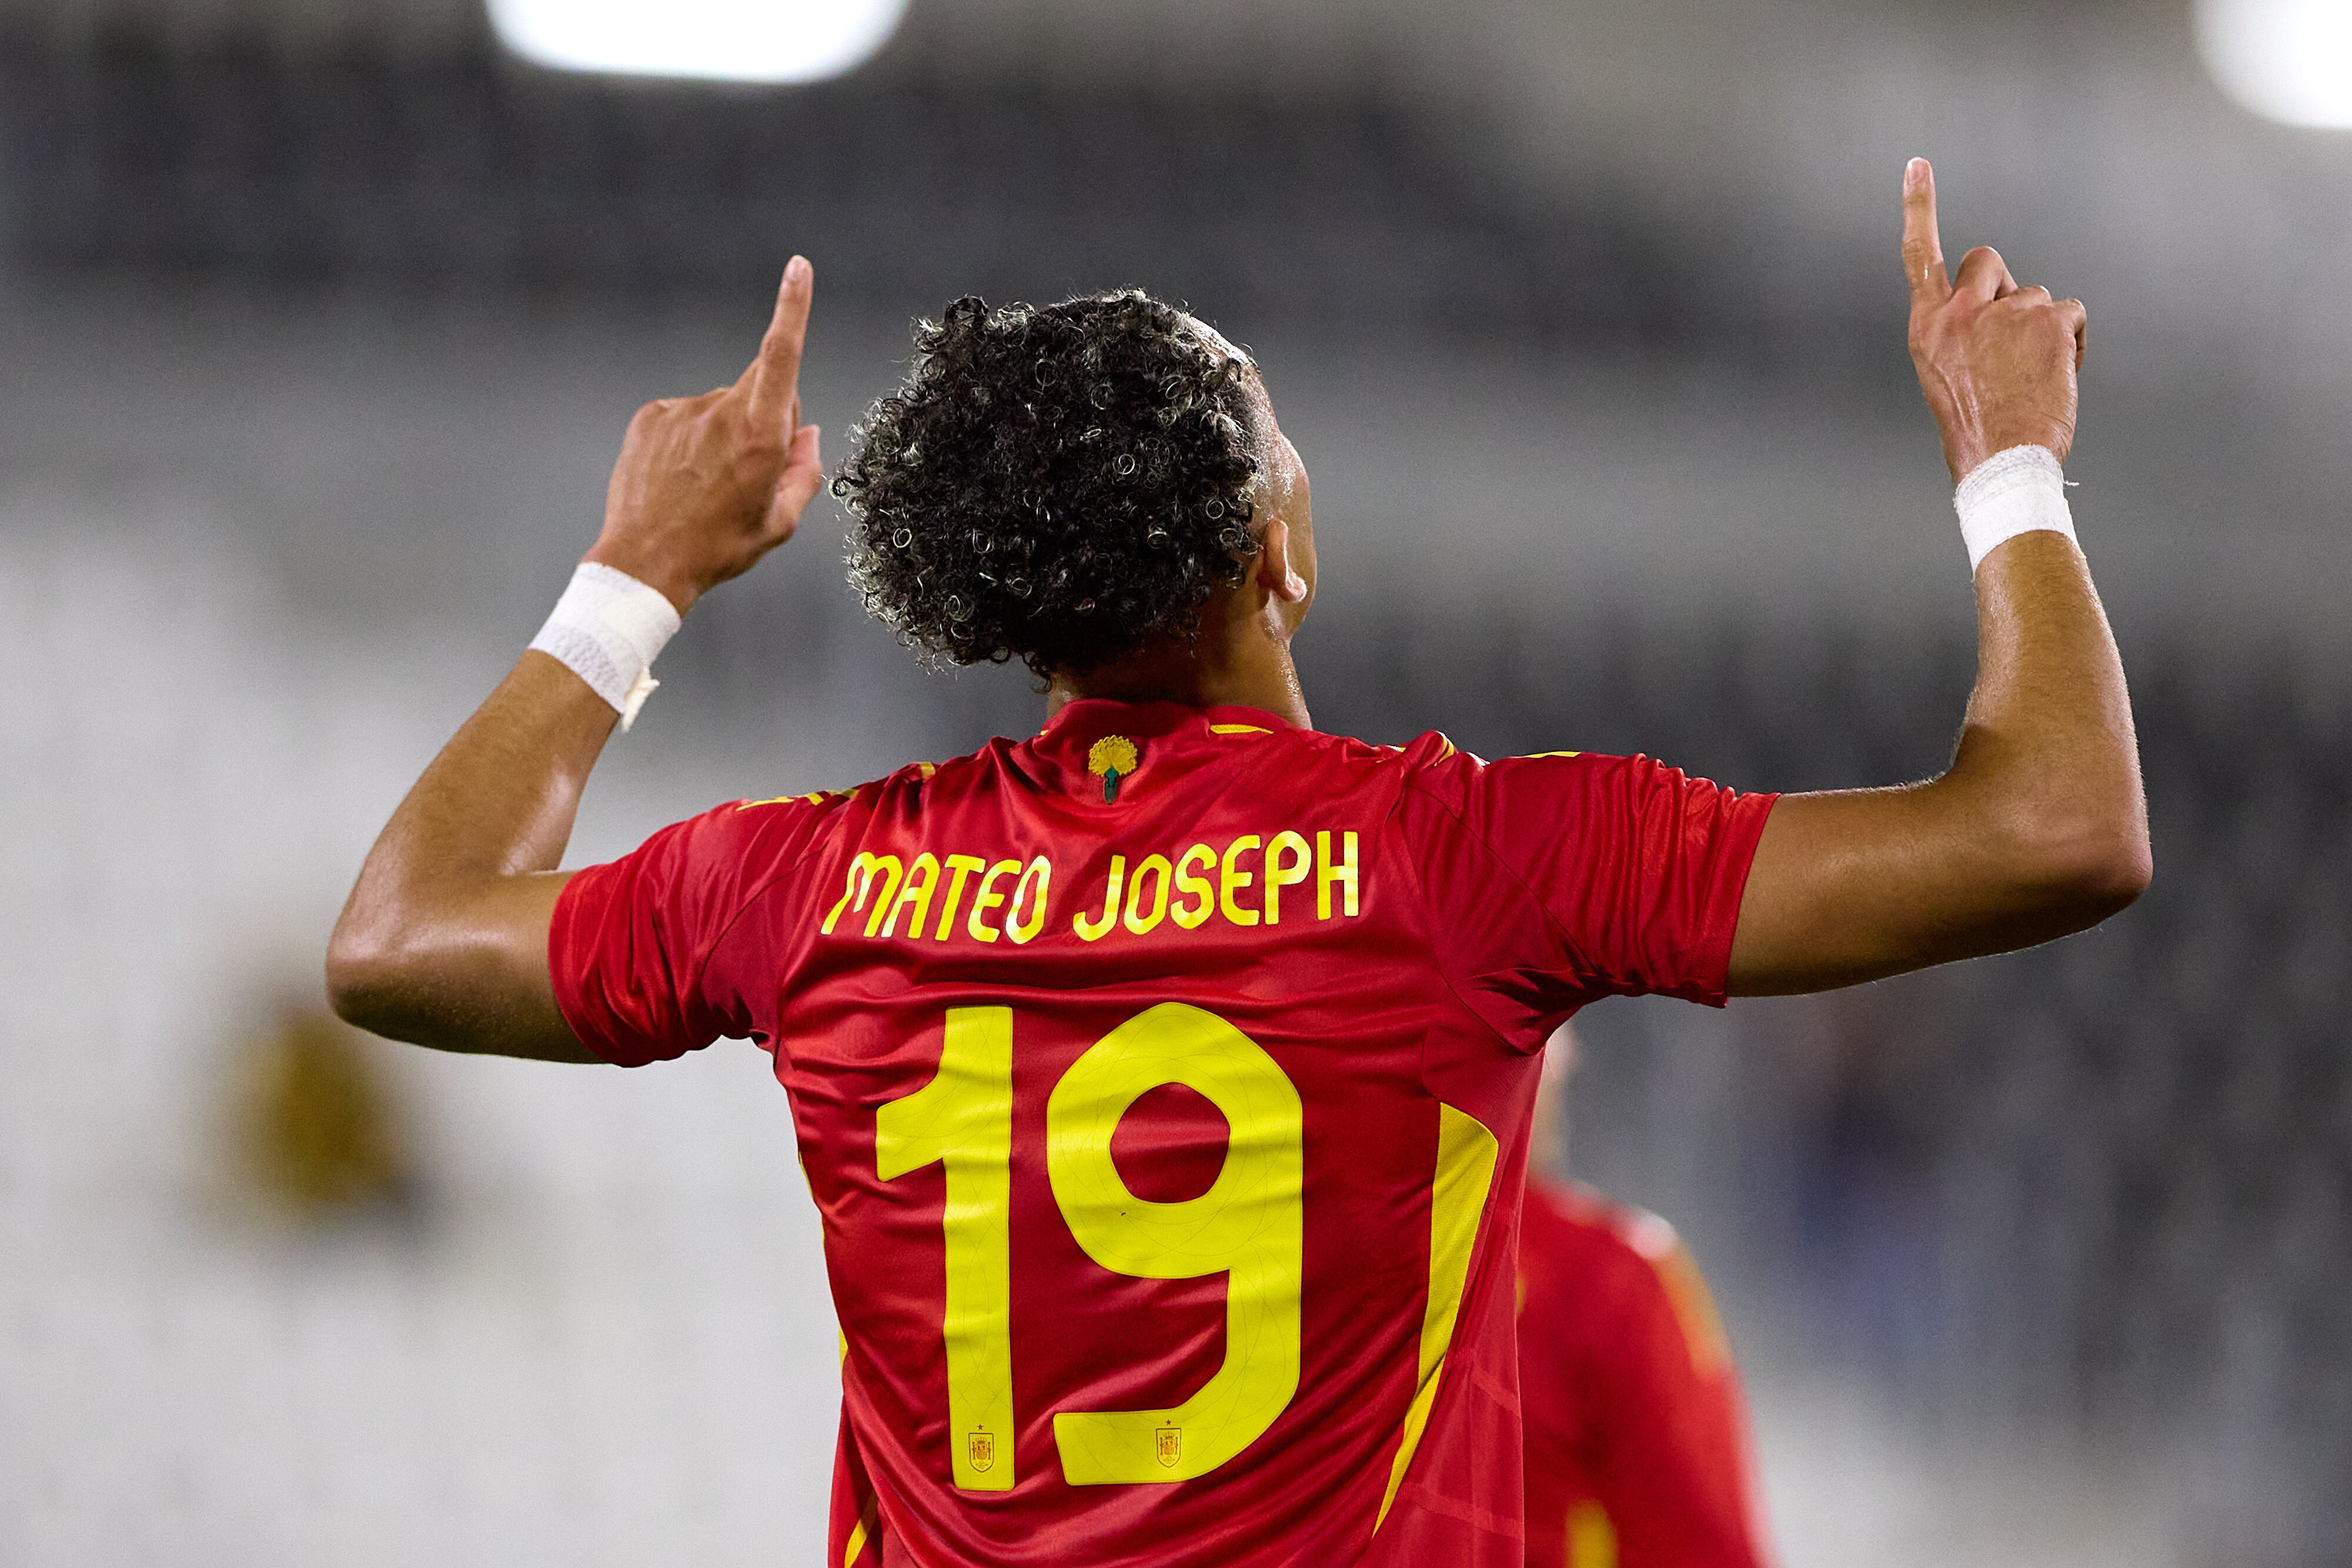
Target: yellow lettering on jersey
(986,899)
(959,867)
(1095,930)
(1197,888)
(922,898)
(1457,1201)
(1249,1226)
(860,881)
(1229,882)
(921,877)
(963,1118)
(1023,931)
(1325,873)
(1278,876)
(1154,869)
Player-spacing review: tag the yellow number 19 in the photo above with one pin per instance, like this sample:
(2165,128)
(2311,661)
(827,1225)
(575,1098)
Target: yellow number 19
(965,1117)
(1247,1227)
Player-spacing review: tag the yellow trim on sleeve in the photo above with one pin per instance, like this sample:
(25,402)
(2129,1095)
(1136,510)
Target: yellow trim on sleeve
(1457,1201)
(815,798)
(1539,755)
(1239,729)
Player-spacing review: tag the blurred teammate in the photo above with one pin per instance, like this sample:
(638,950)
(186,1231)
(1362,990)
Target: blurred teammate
(1637,1446)
(1163,1080)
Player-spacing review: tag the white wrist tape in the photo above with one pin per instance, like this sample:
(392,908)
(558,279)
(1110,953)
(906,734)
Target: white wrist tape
(2016,491)
(606,629)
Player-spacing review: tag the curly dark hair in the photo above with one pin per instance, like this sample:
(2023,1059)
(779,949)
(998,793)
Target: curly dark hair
(1061,483)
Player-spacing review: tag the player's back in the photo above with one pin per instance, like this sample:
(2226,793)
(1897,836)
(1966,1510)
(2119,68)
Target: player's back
(1177,1315)
(1162,1082)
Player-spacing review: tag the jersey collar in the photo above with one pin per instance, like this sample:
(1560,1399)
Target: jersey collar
(1089,716)
(1095,736)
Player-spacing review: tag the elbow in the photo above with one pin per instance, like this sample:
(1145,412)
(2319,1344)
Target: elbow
(2080,869)
(362,977)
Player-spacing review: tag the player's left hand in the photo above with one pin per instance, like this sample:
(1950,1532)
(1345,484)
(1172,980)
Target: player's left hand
(706,486)
(1996,360)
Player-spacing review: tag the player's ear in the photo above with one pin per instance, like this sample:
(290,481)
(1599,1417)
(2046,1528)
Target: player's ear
(1277,572)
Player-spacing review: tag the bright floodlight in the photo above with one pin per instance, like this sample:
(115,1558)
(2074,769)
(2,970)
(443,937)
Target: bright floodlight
(2286,60)
(718,40)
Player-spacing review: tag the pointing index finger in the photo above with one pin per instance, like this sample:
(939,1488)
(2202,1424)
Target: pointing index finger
(1923,247)
(772,382)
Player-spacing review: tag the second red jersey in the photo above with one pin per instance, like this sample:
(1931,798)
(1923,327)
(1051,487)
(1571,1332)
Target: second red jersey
(1637,1445)
(1163,1083)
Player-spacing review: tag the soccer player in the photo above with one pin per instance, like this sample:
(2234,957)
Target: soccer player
(1637,1446)
(1163,1079)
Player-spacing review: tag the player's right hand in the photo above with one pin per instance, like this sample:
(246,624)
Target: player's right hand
(706,486)
(1997,361)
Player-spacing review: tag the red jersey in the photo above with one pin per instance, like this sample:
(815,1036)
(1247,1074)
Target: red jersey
(1637,1453)
(1164,1084)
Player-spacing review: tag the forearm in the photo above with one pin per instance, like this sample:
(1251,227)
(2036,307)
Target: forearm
(2047,771)
(2037,830)
(442,941)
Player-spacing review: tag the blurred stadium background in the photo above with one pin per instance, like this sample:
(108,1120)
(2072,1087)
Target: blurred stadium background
(319,321)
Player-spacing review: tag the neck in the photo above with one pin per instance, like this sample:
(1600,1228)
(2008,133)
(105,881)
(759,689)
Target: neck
(1216,672)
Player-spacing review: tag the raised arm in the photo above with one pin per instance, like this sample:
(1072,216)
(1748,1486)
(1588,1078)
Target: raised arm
(444,938)
(2039,828)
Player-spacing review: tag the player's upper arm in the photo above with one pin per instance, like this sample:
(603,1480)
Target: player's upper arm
(1853,885)
(1575,875)
(470,974)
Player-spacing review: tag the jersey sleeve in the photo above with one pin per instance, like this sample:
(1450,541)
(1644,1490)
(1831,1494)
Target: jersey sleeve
(1577,875)
(630,940)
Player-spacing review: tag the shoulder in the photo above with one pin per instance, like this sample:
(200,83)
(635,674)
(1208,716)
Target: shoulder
(771,831)
(1444,772)
(1322,748)
(1589,1231)
(1629,1228)
(908,788)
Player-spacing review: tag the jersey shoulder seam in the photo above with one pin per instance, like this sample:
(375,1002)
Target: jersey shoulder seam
(1420,897)
(1567,937)
(774,880)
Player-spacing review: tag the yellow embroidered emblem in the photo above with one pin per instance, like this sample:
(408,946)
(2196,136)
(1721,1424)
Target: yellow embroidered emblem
(1110,760)
(982,1449)
(1171,1445)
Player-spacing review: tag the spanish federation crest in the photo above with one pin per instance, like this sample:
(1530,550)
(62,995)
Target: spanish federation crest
(982,1449)
(1111,758)
(1170,1450)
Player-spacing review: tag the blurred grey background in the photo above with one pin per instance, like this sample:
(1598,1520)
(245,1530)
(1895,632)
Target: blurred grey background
(319,321)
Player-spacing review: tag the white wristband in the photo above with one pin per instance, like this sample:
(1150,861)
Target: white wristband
(606,629)
(2015,491)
